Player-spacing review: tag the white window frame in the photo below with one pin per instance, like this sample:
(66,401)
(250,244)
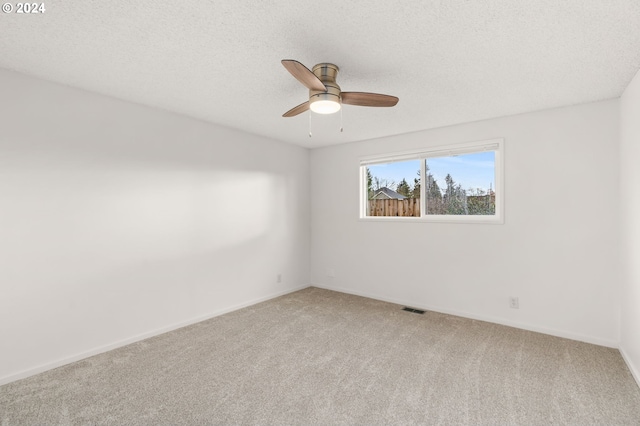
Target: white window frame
(496,145)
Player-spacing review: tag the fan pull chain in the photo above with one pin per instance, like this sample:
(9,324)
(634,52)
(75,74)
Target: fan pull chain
(310,124)
(341,120)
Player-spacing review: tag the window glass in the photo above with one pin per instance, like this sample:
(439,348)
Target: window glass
(454,183)
(461,184)
(393,189)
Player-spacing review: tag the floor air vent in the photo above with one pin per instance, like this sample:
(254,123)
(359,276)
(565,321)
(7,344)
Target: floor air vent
(415,311)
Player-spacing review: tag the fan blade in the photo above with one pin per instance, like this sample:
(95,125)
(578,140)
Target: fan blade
(304,75)
(368,99)
(297,110)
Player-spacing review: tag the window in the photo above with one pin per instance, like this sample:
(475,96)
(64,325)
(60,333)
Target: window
(457,183)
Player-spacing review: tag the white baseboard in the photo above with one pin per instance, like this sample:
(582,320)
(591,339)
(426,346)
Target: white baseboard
(501,321)
(101,349)
(634,371)
(67,360)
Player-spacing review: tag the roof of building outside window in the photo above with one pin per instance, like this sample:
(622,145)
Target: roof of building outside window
(386,193)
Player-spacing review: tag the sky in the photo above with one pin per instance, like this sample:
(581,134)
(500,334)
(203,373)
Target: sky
(475,170)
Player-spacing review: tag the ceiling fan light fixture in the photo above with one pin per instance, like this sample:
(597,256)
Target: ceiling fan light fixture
(325,96)
(325,103)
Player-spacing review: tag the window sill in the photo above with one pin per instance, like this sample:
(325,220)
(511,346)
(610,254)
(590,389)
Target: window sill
(489,220)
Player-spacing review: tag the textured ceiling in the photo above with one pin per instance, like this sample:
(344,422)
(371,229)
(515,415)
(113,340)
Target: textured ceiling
(448,61)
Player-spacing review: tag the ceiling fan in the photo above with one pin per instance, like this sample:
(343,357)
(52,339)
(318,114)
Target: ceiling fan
(325,96)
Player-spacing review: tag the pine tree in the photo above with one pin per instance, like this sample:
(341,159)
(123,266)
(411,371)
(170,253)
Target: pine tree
(433,194)
(369,184)
(455,198)
(415,192)
(403,188)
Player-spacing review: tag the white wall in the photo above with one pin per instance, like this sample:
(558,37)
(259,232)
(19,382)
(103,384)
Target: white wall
(630,199)
(118,221)
(557,250)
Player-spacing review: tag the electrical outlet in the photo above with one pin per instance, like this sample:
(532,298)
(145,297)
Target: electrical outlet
(279,278)
(514,303)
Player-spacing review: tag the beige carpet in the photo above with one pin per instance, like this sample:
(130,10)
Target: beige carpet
(321,357)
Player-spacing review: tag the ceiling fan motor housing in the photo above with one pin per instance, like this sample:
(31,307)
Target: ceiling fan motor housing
(326,73)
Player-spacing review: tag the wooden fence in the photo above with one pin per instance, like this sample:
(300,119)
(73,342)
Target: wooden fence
(390,207)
